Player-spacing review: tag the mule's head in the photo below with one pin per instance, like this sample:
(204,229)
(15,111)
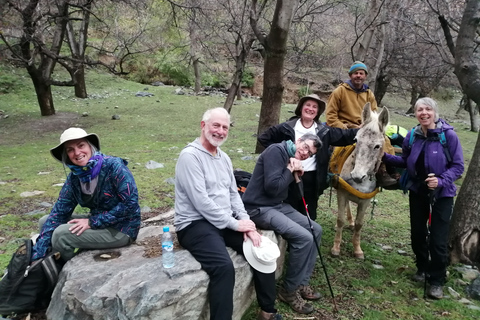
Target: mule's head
(370,139)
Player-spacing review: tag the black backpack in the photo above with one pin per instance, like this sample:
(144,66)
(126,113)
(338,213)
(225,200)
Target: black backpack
(242,178)
(27,287)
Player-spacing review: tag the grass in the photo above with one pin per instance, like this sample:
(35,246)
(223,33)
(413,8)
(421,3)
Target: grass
(157,128)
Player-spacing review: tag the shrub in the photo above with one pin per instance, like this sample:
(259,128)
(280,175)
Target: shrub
(248,78)
(176,73)
(304,91)
(445,94)
(213,80)
(142,70)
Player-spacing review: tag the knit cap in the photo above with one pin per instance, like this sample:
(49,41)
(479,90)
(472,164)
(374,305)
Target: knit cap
(358,65)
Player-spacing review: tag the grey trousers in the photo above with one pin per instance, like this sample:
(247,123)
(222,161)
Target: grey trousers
(295,229)
(68,244)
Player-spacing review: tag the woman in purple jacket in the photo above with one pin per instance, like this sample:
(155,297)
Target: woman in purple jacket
(427,155)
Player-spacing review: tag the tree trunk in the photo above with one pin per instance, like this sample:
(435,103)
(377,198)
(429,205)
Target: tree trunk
(473,116)
(44,94)
(377,71)
(275,50)
(464,237)
(232,92)
(381,85)
(195,47)
(196,71)
(79,81)
(243,48)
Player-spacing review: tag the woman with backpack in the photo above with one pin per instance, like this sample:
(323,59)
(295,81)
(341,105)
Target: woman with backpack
(96,181)
(433,158)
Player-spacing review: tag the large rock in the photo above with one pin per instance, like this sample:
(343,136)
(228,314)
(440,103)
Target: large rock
(132,286)
(473,290)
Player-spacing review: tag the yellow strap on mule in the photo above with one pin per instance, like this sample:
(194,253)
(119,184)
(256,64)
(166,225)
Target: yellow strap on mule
(339,156)
(355,192)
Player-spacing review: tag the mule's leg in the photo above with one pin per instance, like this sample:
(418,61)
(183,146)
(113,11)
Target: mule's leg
(351,223)
(362,208)
(342,203)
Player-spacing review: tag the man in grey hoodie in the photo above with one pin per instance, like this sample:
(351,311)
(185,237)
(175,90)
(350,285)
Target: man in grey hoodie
(209,215)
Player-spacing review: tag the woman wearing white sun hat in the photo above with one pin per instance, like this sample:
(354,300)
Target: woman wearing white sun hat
(99,182)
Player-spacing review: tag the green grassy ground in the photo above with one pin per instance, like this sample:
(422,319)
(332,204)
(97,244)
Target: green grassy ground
(156,128)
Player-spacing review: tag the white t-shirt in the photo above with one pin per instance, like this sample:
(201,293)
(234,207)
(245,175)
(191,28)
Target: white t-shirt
(309,164)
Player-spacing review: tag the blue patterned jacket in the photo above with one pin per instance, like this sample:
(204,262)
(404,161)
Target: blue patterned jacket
(114,204)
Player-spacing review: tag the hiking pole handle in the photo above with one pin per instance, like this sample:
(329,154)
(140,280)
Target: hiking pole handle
(431,175)
(299,183)
(297,177)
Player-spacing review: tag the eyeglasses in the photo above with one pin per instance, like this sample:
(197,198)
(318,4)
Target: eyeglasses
(305,147)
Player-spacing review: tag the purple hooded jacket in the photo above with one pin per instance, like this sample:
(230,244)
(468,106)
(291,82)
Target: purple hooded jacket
(435,158)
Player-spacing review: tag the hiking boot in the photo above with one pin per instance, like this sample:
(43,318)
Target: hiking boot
(384,180)
(307,293)
(419,276)
(295,301)
(435,292)
(262,315)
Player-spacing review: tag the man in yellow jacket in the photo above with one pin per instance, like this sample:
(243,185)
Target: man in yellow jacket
(345,105)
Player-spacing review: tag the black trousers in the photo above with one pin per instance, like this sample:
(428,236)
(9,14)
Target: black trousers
(208,245)
(310,193)
(438,246)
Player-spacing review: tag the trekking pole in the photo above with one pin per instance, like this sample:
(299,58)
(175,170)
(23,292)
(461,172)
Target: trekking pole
(300,189)
(431,199)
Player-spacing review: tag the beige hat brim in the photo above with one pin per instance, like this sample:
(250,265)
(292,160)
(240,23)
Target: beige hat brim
(57,151)
(252,260)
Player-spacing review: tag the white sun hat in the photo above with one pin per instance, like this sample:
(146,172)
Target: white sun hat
(262,258)
(74,134)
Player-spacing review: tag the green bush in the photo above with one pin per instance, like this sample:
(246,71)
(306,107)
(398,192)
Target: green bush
(142,70)
(175,73)
(304,91)
(248,78)
(212,80)
(444,94)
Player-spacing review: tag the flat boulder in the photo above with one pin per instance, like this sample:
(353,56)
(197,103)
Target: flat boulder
(129,283)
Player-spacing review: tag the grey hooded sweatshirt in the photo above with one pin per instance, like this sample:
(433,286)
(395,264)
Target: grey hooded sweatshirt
(205,189)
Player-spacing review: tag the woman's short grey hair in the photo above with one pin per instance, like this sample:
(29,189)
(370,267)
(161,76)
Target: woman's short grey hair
(66,159)
(208,114)
(317,143)
(428,102)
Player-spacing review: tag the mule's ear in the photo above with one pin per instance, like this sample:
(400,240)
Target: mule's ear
(366,113)
(383,118)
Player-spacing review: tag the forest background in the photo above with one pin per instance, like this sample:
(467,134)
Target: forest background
(278,50)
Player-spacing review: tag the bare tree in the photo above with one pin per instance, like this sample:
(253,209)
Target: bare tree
(365,34)
(449,17)
(275,44)
(77,42)
(464,238)
(415,56)
(37,54)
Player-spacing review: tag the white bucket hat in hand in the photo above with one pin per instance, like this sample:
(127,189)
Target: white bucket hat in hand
(74,134)
(262,258)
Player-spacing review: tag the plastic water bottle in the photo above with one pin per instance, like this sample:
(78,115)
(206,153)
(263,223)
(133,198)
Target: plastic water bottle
(168,256)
